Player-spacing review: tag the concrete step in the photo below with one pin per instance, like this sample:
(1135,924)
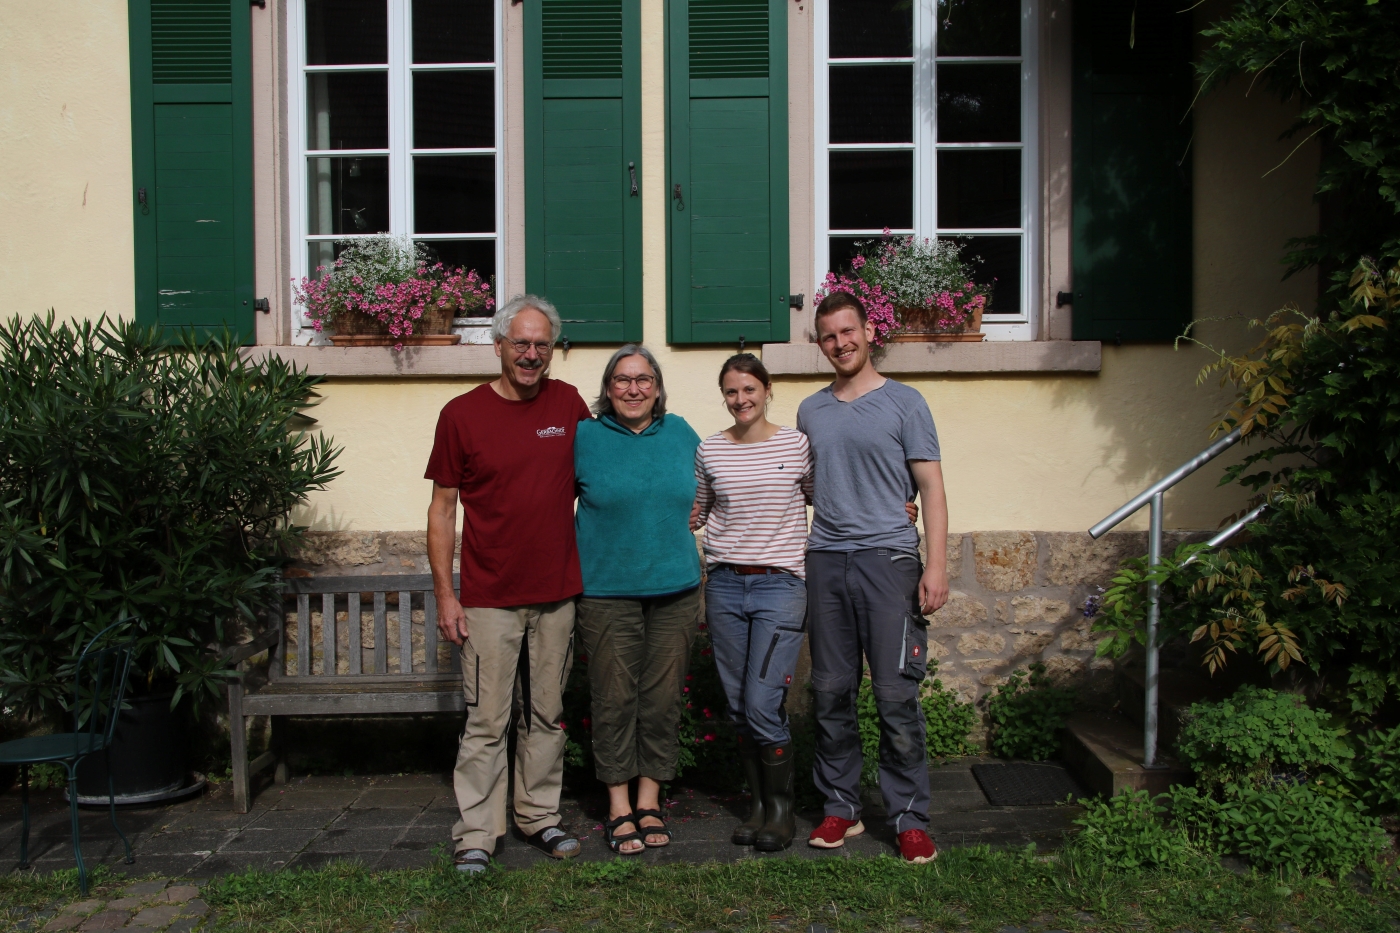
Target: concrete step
(1105,751)
(1176,690)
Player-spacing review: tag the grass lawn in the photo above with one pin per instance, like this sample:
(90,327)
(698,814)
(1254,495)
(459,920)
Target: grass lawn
(965,890)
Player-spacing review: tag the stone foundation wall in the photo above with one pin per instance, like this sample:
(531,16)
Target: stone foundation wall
(1016,598)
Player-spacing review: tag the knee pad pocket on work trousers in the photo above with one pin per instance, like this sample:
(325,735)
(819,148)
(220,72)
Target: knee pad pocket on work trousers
(902,739)
(835,716)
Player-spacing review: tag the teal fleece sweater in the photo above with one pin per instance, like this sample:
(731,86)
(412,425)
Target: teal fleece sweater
(634,497)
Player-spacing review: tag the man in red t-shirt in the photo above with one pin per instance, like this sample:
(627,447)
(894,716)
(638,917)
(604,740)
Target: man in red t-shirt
(506,450)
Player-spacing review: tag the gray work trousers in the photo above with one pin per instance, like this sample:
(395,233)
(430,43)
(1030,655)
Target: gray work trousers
(866,602)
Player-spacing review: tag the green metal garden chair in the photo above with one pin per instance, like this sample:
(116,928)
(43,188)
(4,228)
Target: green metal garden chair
(97,704)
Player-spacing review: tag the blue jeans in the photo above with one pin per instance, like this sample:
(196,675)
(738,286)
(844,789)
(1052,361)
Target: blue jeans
(756,625)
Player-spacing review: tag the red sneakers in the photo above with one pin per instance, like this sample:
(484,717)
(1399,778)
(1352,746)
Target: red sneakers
(915,847)
(832,832)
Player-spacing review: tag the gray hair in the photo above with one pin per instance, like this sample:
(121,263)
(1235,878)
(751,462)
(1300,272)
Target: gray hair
(500,324)
(604,404)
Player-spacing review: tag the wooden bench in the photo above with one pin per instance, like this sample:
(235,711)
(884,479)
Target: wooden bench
(313,673)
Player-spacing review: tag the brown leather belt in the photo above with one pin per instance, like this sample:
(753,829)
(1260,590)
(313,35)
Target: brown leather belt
(751,569)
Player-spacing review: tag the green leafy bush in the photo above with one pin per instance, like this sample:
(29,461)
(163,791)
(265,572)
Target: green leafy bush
(1255,734)
(142,479)
(1377,770)
(1127,833)
(1028,714)
(1285,827)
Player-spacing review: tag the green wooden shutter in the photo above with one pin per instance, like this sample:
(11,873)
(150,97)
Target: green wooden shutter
(727,186)
(1132,170)
(192,163)
(583,214)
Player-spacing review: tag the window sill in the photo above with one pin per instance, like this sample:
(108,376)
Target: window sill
(999,356)
(461,360)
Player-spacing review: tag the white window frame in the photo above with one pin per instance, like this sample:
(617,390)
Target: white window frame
(400,152)
(1018,326)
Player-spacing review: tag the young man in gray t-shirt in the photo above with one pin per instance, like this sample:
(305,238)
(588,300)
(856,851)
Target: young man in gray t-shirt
(873,446)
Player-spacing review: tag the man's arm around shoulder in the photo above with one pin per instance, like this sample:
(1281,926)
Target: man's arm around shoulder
(933,586)
(442,535)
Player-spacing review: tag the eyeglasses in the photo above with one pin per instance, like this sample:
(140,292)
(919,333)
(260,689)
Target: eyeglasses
(523,346)
(645,383)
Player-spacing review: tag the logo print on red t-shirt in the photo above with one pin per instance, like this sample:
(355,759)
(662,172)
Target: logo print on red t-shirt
(552,432)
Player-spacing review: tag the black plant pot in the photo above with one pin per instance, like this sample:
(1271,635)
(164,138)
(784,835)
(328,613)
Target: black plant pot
(147,755)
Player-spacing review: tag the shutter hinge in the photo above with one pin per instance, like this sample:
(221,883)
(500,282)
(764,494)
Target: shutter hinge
(516,2)
(260,4)
(263,305)
(1064,298)
(795,301)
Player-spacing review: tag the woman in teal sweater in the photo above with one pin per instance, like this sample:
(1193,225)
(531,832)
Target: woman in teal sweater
(640,607)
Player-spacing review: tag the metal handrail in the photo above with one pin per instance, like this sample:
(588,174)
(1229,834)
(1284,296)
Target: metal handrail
(1153,496)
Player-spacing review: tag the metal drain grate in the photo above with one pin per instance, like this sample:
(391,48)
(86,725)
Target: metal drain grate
(1022,785)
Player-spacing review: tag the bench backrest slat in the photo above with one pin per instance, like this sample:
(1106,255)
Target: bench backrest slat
(328,632)
(430,633)
(349,592)
(304,635)
(405,630)
(352,636)
(381,636)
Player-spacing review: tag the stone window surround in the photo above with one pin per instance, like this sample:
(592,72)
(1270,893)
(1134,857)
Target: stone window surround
(1052,352)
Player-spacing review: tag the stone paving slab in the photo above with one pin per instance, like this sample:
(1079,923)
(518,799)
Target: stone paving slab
(405,821)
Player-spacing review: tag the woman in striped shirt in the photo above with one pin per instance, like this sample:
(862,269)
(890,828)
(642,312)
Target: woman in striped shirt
(753,484)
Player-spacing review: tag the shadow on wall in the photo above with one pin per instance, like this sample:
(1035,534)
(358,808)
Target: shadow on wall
(1243,215)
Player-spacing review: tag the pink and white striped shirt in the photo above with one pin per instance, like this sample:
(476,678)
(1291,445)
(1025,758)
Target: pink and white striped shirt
(753,500)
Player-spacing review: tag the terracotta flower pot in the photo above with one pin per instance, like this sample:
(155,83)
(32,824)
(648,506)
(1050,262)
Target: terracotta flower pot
(435,322)
(387,340)
(920,325)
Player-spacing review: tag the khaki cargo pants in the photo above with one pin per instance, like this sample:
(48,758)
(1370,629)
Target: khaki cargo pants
(496,681)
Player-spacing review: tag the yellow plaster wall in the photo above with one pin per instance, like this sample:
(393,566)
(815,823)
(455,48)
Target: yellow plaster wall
(1029,452)
(65,158)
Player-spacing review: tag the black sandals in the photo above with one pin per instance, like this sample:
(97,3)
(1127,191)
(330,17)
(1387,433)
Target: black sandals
(644,831)
(555,841)
(616,839)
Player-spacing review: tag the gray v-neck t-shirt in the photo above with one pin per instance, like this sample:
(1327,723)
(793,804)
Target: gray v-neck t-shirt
(860,456)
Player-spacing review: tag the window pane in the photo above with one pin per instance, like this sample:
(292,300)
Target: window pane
(347,111)
(872,190)
(466,254)
(454,194)
(348,194)
(453,31)
(979,188)
(347,32)
(872,28)
(872,103)
(979,103)
(979,27)
(844,249)
(996,262)
(454,109)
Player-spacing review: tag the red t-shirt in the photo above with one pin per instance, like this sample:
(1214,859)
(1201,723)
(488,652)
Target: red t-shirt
(513,462)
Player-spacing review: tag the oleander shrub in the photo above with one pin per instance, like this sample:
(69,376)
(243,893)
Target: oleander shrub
(1028,715)
(148,480)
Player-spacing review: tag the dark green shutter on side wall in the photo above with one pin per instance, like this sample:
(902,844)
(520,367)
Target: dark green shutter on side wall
(1131,170)
(583,227)
(727,196)
(192,156)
